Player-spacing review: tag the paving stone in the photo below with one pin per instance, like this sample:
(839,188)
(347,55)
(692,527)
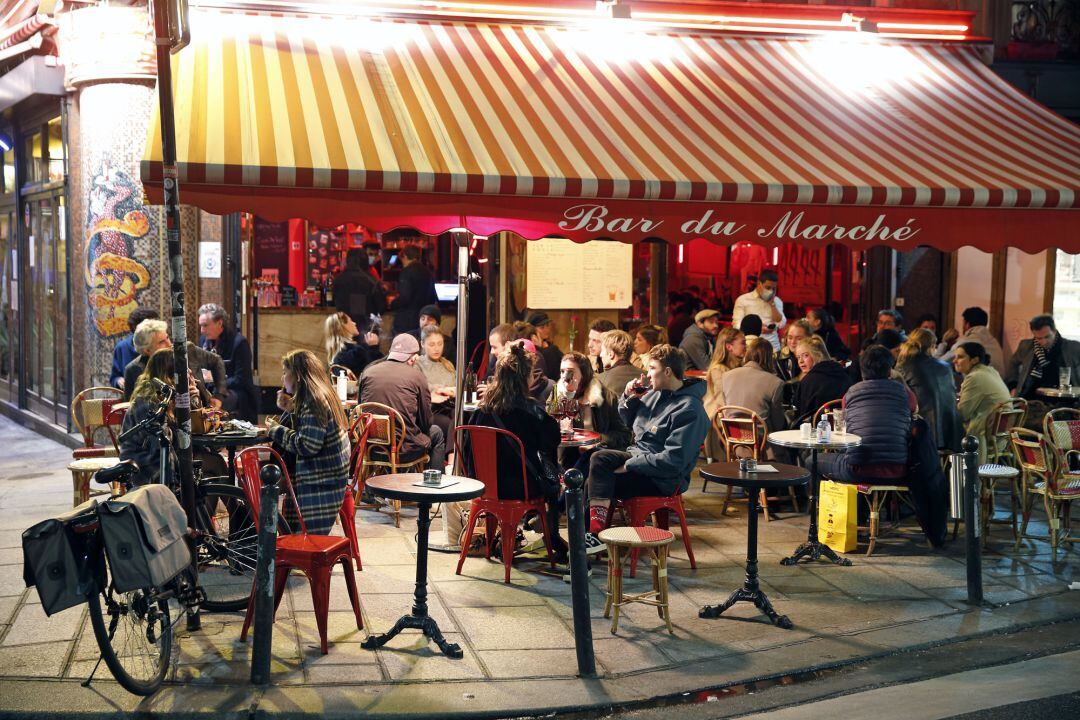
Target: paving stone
(485,593)
(382,611)
(342,674)
(523,628)
(531,663)
(11,579)
(38,660)
(413,657)
(31,625)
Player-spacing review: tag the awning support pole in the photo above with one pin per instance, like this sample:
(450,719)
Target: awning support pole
(171,186)
(461,239)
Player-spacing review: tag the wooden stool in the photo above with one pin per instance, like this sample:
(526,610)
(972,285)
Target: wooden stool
(655,541)
(989,475)
(81,472)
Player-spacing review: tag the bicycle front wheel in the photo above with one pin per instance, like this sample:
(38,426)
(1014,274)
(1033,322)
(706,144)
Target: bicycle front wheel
(226,547)
(134,633)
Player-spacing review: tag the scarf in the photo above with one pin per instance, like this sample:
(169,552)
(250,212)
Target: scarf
(1039,363)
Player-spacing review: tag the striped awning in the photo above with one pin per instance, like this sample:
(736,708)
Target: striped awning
(584,132)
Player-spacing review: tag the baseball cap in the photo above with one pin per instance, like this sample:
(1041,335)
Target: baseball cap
(538,319)
(705,315)
(403,347)
(432,311)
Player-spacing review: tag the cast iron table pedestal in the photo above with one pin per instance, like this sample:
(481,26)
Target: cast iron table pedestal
(814,549)
(399,486)
(728,473)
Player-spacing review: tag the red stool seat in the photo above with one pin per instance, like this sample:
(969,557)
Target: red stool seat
(640,508)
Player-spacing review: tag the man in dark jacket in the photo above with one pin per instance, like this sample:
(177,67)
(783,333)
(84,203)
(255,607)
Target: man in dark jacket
(699,339)
(669,424)
(152,335)
(617,347)
(241,395)
(1038,361)
(356,291)
(878,410)
(547,347)
(415,290)
(397,382)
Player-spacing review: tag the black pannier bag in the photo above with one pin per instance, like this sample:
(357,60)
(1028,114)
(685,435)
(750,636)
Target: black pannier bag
(50,561)
(144,534)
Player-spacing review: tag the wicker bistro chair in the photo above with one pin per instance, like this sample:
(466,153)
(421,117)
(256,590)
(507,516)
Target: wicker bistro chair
(1002,419)
(386,434)
(90,412)
(743,434)
(1045,471)
(1061,426)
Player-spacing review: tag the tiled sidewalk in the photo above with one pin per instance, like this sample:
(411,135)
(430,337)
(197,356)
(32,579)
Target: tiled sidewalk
(906,595)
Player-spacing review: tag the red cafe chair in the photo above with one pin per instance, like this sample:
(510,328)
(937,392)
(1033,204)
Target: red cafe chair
(90,411)
(483,457)
(313,555)
(637,511)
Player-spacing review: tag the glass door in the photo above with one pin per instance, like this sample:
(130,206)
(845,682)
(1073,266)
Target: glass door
(47,362)
(9,307)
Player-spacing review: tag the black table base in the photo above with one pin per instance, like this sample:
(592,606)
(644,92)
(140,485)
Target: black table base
(751,590)
(813,549)
(418,619)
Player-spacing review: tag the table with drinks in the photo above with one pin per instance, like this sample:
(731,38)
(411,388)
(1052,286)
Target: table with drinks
(816,439)
(1064,393)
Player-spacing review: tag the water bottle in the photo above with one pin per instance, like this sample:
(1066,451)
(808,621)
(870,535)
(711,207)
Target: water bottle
(824,429)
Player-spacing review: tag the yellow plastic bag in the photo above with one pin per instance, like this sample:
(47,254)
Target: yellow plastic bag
(837,515)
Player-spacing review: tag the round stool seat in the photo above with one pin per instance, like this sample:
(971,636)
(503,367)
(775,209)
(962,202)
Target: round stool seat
(93,464)
(992,470)
(646,536)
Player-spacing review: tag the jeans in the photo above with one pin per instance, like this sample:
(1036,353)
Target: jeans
(606,484)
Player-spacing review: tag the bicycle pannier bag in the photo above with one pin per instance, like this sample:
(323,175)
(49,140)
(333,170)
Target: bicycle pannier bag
(144,534)
(50,563)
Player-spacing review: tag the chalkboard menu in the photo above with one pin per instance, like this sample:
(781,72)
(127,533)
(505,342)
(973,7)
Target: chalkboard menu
(271,248)
(562,274)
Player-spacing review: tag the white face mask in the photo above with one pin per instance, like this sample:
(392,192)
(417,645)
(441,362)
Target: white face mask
(767,295)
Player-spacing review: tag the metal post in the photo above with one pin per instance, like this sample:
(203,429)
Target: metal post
(461,239)
(263,591)
(579,573)
(972,524)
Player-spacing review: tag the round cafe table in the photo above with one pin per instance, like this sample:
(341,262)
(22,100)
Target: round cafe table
(580,438)
(728,473)
(1061,396)
(229,441)
(813,548)
(401,486)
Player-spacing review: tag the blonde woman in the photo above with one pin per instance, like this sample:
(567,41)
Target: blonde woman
(823,379)
(314,430)
(645,338)
(729,352)
(932,382)
(340,338)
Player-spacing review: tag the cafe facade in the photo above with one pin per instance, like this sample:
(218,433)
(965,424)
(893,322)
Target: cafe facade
(691,135)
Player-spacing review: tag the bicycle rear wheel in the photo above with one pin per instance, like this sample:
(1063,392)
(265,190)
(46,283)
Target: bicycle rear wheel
(226,547)
(134,633)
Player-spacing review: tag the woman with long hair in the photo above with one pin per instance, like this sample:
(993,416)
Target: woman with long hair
(142,447)
(506,405)
(729,352)
(823,379)
(787,366)
(314,430)
(344,346)
(441,377)
(981,390)
(932,382)
(645,338)
(824,327)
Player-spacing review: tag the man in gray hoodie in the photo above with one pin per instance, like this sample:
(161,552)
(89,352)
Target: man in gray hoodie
(699,340)
(669,424)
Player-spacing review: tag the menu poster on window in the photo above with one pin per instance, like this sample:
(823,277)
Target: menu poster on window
(802,274)
(271,248)
(564,275)
(323,254)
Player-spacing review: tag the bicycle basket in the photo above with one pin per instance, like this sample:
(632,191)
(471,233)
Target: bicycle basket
(50,561)
(144,533)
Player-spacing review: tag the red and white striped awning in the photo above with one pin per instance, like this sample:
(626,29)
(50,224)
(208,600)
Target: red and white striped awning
(604,130)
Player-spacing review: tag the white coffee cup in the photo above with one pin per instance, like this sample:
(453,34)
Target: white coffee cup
(805,430)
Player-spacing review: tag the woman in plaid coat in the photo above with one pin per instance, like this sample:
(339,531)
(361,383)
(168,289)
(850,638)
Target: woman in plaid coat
(315,431)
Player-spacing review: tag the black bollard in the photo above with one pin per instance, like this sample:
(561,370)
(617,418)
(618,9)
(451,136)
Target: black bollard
(263,591)
(579,573)
(972,524)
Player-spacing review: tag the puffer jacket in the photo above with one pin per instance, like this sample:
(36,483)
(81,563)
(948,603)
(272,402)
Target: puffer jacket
(878,411)
(669,427)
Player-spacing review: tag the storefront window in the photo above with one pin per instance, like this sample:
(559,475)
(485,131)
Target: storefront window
(1067,295)
(8,305)
(56,151)
(35,161)
(9,172)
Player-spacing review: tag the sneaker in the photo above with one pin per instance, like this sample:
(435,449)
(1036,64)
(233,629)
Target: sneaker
(593,545)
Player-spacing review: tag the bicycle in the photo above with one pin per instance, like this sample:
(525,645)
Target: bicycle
(225,538)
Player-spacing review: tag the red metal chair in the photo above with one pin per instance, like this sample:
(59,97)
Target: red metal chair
(638,510)
(313,555)
(358,433)
(483,444)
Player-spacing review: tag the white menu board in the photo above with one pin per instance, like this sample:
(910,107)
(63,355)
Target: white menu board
(562,274)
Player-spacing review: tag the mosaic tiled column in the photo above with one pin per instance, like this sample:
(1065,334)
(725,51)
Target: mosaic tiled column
(118,255)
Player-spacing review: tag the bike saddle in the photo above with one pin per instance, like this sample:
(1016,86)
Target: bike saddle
(117,473)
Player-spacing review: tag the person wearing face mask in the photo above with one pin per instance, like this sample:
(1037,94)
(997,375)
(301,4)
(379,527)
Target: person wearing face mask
(763,302)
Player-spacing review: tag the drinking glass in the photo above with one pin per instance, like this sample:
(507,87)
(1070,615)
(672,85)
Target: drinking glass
(839,423)
(1064,378)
